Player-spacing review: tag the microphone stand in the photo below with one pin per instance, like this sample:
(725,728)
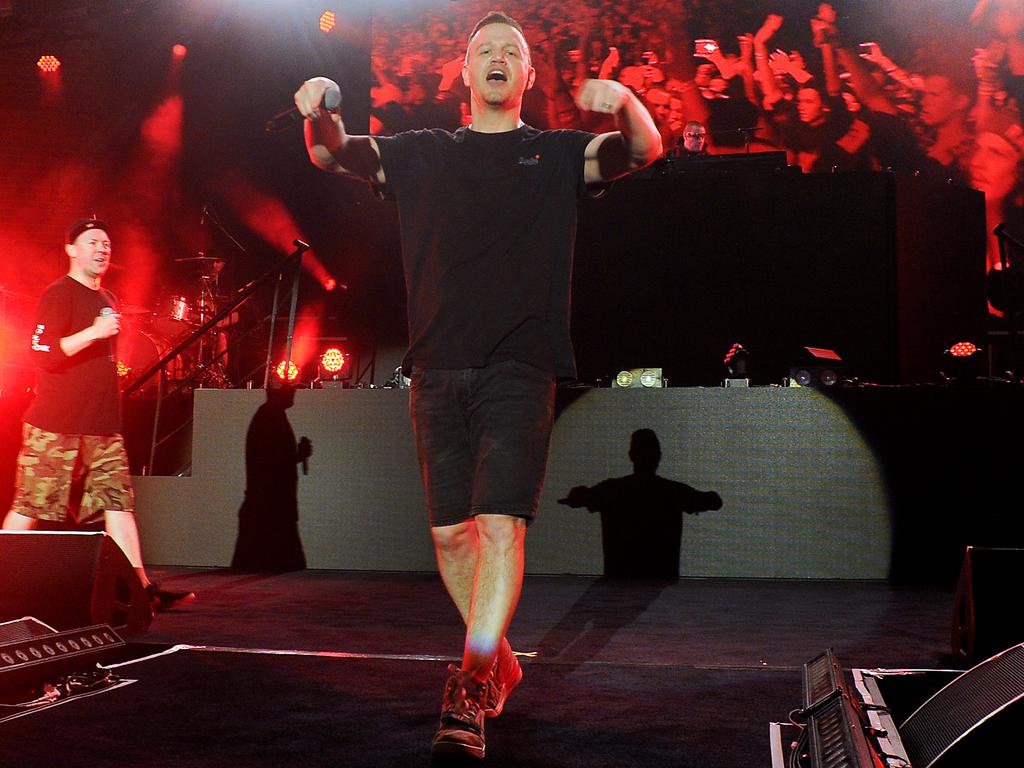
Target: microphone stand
(209,213)
(1002,237)
(748,134)
(296,256)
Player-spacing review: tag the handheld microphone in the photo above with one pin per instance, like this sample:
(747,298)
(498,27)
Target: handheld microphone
(106,312)
(283,120)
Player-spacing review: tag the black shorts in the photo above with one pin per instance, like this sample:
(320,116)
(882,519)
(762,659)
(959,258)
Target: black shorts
(482,439)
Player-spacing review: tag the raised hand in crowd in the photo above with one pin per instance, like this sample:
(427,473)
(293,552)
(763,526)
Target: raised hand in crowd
(772,24)
(746,43)
(872,51)
(560,109)
(986,63)
(610,65)
(745,67)
(823,26)
(783,63)
(712,51)
(769,85)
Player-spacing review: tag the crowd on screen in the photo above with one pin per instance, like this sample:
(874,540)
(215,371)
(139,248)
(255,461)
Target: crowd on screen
(947,107)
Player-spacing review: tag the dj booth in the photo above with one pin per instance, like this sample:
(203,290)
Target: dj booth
(671,270)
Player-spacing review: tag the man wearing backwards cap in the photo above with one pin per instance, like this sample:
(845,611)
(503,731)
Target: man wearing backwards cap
(72,428)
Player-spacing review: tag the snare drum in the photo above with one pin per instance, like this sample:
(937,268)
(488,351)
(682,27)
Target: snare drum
(172,319)
(179,309)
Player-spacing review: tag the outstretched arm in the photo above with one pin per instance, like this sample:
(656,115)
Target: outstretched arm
(770,88)
(634,145)
(330,147)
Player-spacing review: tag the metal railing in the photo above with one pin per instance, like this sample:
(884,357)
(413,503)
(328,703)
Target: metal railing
(289,265)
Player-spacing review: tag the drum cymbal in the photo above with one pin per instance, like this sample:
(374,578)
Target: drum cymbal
(134,309)
(198,259)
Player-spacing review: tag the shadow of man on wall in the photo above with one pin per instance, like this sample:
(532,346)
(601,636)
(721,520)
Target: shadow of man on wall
(642,514)
(268,530)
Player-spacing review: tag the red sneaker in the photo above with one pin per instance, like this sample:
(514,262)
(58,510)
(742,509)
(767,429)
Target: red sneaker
(461,733)
(505,676)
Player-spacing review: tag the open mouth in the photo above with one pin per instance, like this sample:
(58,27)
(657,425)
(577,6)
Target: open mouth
(496,75)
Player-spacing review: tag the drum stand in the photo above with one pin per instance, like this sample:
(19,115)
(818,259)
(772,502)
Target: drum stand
(209,369)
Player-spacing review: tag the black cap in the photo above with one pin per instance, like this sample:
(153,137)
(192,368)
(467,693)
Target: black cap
(84,225)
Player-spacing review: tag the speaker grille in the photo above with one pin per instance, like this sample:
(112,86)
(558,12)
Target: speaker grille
(822,679)
(22,629)
(837,739)
(69,580)
(963,705)
(33,660)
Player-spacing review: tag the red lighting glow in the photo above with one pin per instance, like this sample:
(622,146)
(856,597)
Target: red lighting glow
(179,51)
(333,360)
(330,284)
(122,369)
(48,63)
(269,218)
(327,21)
(292,368)
(963,349)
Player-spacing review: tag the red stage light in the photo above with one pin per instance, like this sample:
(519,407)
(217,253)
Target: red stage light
(292,368)
(963,349)
(330,284)
(333,360)
(48,63)
(179,51)
(327,21)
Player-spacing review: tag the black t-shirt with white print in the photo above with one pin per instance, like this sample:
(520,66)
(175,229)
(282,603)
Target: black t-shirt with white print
(77,394)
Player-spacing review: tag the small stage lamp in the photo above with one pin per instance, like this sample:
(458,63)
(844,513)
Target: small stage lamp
(638,377)
(287,371)
(48,63)
(735,363)
(962,363)
(817,368)
(333,367)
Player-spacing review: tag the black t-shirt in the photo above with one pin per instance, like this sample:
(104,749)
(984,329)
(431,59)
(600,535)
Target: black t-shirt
(77,394)
(488,222)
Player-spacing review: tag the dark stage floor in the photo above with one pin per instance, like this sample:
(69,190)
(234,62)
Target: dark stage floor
(684,674)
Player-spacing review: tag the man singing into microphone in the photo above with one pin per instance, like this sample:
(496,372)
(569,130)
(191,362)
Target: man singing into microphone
(488,219)
(72,466)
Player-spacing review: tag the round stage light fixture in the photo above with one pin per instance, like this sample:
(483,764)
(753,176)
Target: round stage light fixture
(287,370)
(48,63)
(962,363)
(179,51)
(122,369)
(333,360)
(327,21)
(962,349)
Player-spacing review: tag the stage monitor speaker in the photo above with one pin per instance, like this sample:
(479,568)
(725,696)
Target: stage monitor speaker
(974,720)
(32,654)
(984,618)
(70,580)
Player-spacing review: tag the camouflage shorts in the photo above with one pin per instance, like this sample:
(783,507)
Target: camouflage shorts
(71,477)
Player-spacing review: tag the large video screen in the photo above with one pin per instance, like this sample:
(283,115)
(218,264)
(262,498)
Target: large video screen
(923,86)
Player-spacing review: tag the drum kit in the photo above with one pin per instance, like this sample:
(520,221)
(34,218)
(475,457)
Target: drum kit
(148,334)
